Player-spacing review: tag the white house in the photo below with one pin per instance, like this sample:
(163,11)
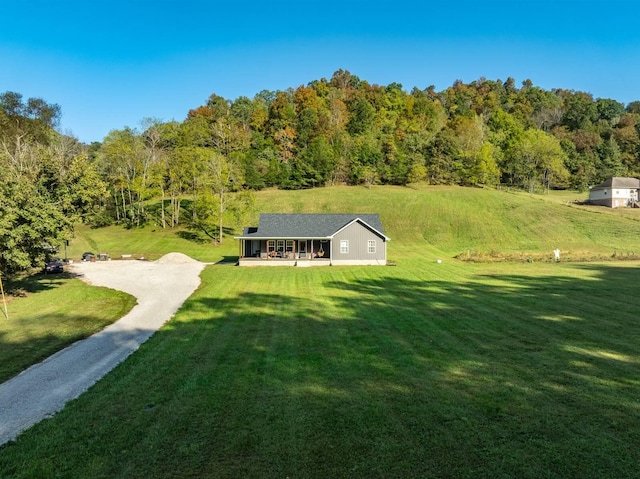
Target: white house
(615,192)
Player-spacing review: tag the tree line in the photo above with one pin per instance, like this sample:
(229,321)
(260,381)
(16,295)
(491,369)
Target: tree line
(341,130)
(47,183)
(347,131)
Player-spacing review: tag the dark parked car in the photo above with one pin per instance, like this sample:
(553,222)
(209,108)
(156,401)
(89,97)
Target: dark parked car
(88,256)
(53,267)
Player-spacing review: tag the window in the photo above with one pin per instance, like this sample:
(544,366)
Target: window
(344,246)
(271,246)
(371,246)
(289,248)
(280,247)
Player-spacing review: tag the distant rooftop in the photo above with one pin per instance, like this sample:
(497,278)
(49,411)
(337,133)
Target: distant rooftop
(618,182)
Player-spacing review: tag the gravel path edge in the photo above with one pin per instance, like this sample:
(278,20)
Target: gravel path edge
(40,391)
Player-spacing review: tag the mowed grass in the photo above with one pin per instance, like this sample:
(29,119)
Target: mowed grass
(51,312)
(419,370)
(416,370)
(149,242)
(457,220)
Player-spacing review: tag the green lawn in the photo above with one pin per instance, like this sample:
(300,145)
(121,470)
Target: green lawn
(420,369)
(50,312)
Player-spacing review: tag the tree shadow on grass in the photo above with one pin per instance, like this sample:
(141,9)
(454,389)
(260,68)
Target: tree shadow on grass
(499,375)
(199,237)
(34,283)
(192,236)
(383,376)
(18,355)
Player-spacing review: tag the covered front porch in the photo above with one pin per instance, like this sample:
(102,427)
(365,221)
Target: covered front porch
(284,252)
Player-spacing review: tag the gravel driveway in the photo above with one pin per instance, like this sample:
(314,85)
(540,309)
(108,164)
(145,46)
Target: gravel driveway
(160,287)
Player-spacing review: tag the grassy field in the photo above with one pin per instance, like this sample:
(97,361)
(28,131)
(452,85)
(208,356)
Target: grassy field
(50,312)
(448,220)
(457,220)
(421,369)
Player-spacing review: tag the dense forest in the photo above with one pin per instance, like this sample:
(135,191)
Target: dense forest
(343,130)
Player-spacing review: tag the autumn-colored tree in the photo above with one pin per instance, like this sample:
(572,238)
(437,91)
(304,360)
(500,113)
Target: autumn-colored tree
(347,130)
(628,140)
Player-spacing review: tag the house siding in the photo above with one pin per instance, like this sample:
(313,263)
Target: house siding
(358,236)
(613,197)
(601,197)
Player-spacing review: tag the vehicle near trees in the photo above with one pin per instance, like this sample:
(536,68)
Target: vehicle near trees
(53,267)
(47,183)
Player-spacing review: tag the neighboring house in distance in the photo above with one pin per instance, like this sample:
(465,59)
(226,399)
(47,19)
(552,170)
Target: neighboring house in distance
(314,240)
(615,192)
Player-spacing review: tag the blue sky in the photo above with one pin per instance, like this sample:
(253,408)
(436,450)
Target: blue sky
(109,64)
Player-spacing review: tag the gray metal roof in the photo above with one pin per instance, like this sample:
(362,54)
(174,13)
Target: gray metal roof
(618,182)
(296,225)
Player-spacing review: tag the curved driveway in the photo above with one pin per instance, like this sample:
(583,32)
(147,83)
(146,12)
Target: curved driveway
(40,391)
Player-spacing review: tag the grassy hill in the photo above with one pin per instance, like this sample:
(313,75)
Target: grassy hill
(424,369)
(454,220)
(447,221)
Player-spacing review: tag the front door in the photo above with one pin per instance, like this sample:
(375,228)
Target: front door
(302,248)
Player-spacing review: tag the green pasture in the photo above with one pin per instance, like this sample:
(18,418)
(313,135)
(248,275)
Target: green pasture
(456,220)
(421,369)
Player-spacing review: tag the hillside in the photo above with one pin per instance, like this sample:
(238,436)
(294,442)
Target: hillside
(422,220)
(423,369)
(455,220)
(346,131)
